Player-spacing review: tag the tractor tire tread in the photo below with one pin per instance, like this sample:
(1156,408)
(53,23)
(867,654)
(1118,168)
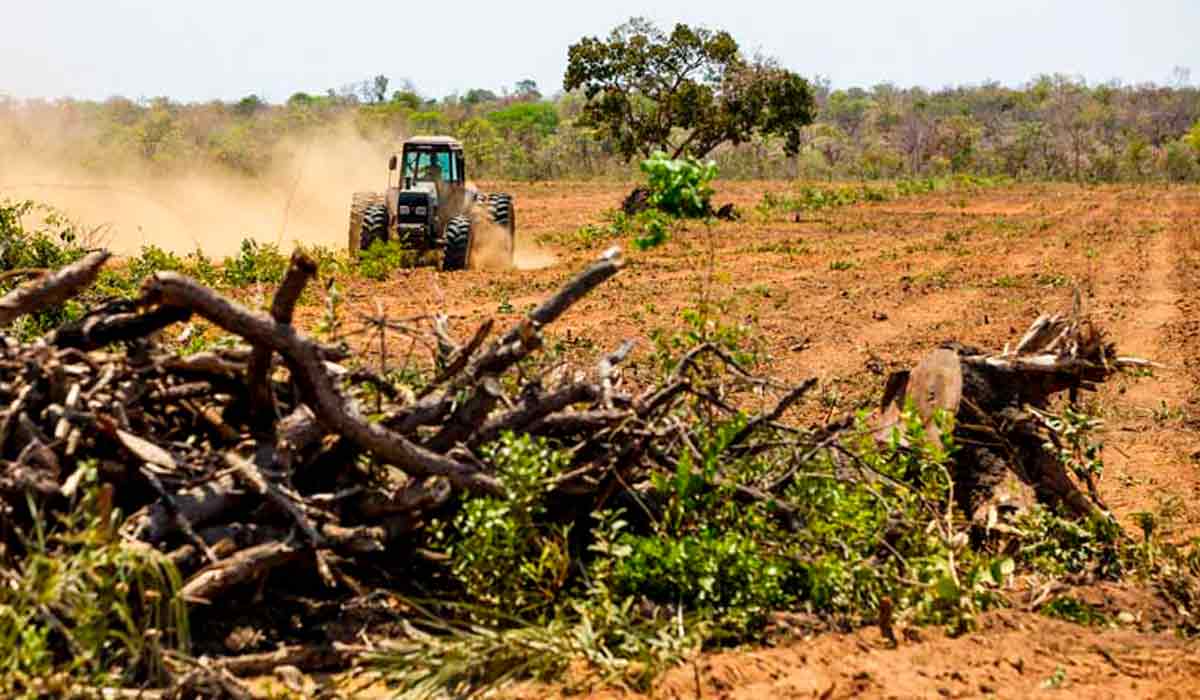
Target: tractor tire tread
(458,244)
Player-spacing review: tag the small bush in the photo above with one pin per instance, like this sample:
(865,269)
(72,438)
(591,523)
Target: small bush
(503,551)
(53,245)
(654,229)
(382,258)
(615,224)
(255,263)
(810,198)
(331,262)
(679,187)
(81,603)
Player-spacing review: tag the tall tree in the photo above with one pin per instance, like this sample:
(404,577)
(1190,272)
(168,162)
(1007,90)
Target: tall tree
(684,93)
(375,89)
(527,90)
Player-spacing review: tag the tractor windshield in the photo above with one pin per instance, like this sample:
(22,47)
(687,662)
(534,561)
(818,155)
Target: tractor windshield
(430,165)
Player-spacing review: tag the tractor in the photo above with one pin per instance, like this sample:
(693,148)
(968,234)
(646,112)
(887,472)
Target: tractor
(431,208)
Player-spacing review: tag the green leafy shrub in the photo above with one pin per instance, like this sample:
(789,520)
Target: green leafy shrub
(725,574)
(680,187)
(331,262)
(615,224)
(383,258)
(1182,162)
(255,263)
(654,229)
(54,244)
(1057,546)
(810,198)
(81,603)
(504,553)
(125,280)
(1074,610)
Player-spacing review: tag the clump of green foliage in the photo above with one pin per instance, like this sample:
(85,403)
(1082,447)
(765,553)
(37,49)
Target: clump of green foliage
(615,224)
(686,563)
(654,229)
(256,263)
(382,258)
(54,244)
(681,186)
(126,280)
(24,251)
(649,228)
(811,198)
(504,553)
(80,607)
(676,188)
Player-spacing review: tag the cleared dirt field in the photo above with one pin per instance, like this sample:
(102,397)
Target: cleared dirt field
(848,295)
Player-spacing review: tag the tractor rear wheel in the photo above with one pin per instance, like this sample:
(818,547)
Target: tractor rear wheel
(374,226)
(458,243)
(358,209)
(502,212)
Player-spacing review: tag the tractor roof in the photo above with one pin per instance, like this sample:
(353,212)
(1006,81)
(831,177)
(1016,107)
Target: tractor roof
(434,141)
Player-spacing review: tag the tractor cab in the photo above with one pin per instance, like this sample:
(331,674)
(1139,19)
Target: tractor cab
(437,159)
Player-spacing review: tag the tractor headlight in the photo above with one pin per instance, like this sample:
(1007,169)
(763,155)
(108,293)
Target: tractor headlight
(403,210)
(421,211)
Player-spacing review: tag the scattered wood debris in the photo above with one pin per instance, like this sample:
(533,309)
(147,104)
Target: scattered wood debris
(270,456)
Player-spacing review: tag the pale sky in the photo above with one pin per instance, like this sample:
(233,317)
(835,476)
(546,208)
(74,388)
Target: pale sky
(204,49)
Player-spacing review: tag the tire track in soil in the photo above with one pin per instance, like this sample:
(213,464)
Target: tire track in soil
(902,330)
(1147,440)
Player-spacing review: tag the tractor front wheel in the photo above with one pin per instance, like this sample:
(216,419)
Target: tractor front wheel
(502,212)
(458,244)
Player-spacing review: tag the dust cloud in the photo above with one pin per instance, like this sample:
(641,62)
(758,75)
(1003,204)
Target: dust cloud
(493,249)
(491,246)
(528,255)
(303,197)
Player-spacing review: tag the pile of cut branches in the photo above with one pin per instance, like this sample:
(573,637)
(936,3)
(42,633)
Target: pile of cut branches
(269,455)
(288,486)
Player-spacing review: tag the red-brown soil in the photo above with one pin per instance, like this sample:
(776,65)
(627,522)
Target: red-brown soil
(847,295)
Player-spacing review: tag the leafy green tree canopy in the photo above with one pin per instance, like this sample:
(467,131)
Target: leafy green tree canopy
(527,90)
(477,96)
(248,105)
(526,117)
(407,98)
(684,93)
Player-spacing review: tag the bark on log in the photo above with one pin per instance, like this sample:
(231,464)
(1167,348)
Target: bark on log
(303,359)
(283,306)
(532,411)
(98,330)
(53,289)
(307,658)
(211,582)
(199,504)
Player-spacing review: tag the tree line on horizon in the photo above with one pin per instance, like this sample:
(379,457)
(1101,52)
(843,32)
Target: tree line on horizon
(755,119)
